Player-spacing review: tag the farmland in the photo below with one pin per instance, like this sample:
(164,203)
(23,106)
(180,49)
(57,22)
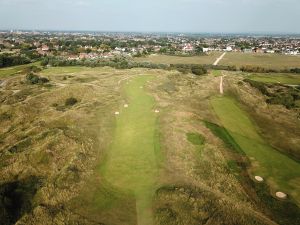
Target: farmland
(166,59)
(289,79)
(273,61)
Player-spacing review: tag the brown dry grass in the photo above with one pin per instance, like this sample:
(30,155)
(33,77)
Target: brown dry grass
(67,143)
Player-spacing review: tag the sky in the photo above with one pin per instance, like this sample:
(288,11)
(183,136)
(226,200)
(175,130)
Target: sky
(198,16)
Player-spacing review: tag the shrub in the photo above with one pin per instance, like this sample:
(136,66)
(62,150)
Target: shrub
(71,101)
(199,71)
(282,99)
(295,70)
(5,116)
(35,79)
(258,85)
(12,60)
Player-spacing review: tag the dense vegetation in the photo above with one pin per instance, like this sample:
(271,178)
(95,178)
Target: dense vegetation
(7,60)
(278,94)
(35,79)
(258,69)
(190,68)
(123,63)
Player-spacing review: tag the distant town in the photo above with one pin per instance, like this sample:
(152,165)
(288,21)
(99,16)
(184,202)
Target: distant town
(77,45)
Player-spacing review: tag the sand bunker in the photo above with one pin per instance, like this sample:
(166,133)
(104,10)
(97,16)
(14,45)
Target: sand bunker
(259,179)
(281,195)
(156,111)
(126,106)
(117,113)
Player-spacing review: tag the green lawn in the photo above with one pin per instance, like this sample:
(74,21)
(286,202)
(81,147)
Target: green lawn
(216,73)
(276,78)
(132,161)
(276,61)
(9,71)
(166,59)
(281,172)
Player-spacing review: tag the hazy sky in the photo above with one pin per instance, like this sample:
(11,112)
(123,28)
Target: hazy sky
(153,15)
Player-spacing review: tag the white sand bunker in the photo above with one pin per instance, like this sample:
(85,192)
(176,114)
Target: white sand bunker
(259,179)
(156,111)
(125,105)
(281,195)
(117,113)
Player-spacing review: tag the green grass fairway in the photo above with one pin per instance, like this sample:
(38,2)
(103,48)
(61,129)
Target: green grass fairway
(132,162)
(281,172)
(275,61)
(167,59)
(276,78)
(9,71)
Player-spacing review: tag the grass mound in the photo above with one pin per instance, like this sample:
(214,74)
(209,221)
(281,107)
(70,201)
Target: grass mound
(225,136)
(195,138)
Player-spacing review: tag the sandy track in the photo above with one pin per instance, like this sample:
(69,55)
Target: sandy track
(221,85)
(219,59)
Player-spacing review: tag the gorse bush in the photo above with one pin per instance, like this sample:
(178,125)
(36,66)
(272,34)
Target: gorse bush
(258,85)
(278,94)
(12,60)
(189,68)
(35,79)
(5,116)
(257,69)
(71,101)
(295,70)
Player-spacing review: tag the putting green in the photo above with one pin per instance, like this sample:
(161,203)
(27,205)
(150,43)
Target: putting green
(281,172)
(131,163)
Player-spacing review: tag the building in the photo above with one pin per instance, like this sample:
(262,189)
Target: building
(228,49)
(45,48)
(188,48)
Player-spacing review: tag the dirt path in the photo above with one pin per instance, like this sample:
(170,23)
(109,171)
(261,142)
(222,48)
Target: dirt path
(219,59)
(221,85)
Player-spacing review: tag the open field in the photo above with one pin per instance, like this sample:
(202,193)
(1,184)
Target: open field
(280,171)
(70,159)
(276,78)
(166,59)
(273,61)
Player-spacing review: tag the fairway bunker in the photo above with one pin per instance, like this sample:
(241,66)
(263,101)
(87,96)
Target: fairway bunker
(126,106)
(281,195)
(259,179)
(117,113)
(156,111)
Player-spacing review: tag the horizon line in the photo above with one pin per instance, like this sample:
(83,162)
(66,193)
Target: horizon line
(151,32)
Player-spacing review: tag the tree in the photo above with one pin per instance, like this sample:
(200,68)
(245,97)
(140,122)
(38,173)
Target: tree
(199,49)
